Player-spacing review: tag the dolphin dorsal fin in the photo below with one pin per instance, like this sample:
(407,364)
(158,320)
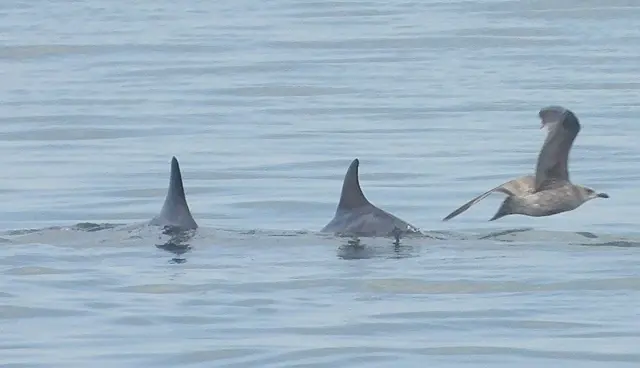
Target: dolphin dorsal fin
(176,188)
(352,196)
(175,210)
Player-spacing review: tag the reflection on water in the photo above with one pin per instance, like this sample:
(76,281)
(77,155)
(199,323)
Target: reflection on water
(357,248)
(177,242)
(265,103)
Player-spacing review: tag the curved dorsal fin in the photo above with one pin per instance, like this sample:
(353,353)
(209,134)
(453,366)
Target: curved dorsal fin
(352,196)
(176,188)
(175,211)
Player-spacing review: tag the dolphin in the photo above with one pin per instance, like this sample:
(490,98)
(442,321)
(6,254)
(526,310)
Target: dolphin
(175,212)
(356,216)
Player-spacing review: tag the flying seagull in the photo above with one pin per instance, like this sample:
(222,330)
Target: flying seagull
(550,191)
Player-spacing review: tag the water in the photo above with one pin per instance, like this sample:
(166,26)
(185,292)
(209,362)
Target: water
(265,104)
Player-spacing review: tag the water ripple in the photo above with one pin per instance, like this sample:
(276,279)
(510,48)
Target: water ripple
(265,104)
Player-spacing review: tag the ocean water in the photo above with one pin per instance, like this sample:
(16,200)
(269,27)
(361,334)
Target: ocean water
(265,104)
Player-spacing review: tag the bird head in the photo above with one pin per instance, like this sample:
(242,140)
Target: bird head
(588,193)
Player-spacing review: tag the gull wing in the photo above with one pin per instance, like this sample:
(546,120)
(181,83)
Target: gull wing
(517,187)
(552,166)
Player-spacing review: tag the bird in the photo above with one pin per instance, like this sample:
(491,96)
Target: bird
(550,190)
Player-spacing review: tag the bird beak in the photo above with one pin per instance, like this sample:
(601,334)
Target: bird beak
(602,195)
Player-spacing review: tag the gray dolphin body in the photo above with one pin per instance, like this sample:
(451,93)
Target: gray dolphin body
(357,216)
(175,212)
(549,191)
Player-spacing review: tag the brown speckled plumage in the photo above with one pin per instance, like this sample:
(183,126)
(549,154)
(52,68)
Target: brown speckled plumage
(550,191)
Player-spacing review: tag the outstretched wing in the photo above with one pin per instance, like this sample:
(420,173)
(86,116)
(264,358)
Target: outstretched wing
(552,166)
(516,187)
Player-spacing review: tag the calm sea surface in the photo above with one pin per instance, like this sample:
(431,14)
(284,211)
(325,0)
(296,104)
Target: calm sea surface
(265,104)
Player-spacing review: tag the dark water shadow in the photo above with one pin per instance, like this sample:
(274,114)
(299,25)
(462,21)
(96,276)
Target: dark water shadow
(512,232)
(587,234)
(177,244)
(82,226)
(562,237)
(92,227)
(355,249)
(614,243)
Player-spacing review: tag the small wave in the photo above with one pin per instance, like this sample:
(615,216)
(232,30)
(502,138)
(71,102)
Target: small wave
(416,286)
(181,242)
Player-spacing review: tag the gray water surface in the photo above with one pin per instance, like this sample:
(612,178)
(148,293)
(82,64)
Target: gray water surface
(265,104)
